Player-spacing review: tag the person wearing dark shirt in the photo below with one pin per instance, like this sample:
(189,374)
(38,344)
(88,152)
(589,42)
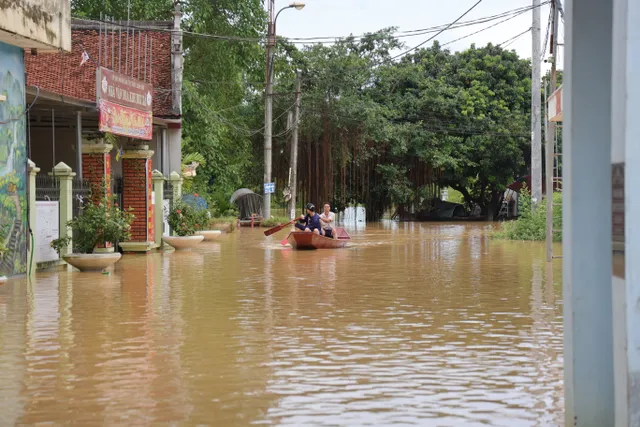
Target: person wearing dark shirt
(311,221)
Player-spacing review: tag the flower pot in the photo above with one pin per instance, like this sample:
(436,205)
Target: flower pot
(92,262)
(209,235)
(183,242)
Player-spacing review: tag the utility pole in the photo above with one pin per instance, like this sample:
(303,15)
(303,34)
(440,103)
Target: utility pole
(551,131)
(536,129)
(268,111)
(294,149)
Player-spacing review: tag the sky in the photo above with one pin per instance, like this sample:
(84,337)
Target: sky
(345,17)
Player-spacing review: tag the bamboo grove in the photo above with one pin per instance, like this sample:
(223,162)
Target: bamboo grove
(387,135)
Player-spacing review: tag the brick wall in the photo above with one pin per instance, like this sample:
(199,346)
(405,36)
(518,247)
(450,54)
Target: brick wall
(61,73)
(135,189)
(96,168)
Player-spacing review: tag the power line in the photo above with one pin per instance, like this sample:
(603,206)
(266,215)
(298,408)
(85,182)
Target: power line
(422,31)
(546,37)
(438,33)
(329,39)
(506,43)
(19,116)
(486,28)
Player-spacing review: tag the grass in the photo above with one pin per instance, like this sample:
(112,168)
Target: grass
(532,225)
(273,221)
(228,221)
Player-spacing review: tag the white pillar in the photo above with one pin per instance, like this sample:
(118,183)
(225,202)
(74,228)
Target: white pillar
(158,195)
(588,353)
(65,176)
(33,170)
(618,131)
(174,149)
(632,209)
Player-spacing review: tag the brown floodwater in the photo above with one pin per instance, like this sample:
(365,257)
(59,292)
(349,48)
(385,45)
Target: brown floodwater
(412,324)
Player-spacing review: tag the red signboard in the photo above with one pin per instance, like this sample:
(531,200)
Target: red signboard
(126,121)
(124,90)
(125,104)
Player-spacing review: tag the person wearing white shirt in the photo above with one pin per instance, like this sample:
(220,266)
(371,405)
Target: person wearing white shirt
(326,219)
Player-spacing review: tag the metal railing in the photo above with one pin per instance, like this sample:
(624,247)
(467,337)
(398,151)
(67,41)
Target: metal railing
(47,188)
(81,191)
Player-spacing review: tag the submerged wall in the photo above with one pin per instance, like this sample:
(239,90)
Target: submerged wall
(13,161)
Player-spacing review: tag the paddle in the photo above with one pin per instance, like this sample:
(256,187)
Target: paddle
(277,228)
(284,242)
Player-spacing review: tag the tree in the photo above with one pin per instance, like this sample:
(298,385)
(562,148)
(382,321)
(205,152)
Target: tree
(466,113)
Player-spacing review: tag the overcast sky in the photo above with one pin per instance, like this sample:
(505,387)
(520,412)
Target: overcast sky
(344,17)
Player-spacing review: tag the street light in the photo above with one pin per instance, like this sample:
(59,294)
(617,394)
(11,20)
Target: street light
(268,98)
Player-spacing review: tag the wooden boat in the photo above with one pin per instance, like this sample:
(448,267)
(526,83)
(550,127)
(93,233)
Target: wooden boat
(303,240)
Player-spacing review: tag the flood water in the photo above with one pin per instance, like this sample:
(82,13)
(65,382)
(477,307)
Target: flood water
(413,324)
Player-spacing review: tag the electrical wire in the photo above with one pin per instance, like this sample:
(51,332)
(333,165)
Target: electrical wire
(19,116)
(486,28)
(546,37)
(330,39)
(437,34)
(506,43)
(422,31)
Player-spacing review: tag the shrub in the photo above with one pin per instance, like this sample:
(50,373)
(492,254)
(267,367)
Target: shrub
(98,223)
(274,220)
(532,225)
(4,233)
(184,219)
(228,221)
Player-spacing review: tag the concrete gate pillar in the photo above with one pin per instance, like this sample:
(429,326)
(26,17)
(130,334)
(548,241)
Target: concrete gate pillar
(587,247)
(137,194)
(96,168)
(33,170)
(158,200)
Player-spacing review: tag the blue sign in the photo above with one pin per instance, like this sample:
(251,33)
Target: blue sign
(269,187)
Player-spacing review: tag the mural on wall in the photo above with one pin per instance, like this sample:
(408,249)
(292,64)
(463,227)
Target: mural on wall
(13,163)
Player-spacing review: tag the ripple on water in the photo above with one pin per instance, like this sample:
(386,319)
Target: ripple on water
(413,324)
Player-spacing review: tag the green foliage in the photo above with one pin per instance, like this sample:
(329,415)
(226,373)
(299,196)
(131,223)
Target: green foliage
(220,206)
(455,196)
(274,221)
(185,220)
(531,225)
(4,233)
(228,222)
(101,222)
(377,127)
(118,9)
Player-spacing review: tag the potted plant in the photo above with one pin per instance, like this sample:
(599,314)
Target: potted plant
(183,220)
(203,225)
(100,222)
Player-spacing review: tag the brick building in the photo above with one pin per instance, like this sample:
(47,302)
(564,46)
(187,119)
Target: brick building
(67,91)
(64,120)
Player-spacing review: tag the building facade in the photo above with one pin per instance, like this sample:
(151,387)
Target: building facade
(33,26)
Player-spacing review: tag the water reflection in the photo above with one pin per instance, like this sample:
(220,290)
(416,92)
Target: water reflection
(430,324)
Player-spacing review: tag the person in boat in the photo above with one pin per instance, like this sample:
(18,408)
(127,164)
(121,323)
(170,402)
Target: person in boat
(311,221)
(327,219)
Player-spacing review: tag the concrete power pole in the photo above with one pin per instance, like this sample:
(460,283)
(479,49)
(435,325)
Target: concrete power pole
(268,111)
(536,129)
(551,132)
(294,149)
